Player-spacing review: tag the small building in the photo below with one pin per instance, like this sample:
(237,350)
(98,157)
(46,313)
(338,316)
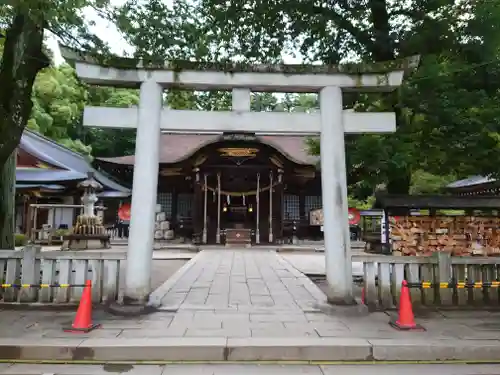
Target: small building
(48,173)
(475,185)
(209,184)
(425,224)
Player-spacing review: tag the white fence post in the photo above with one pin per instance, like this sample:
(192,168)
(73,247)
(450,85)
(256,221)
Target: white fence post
(30,273)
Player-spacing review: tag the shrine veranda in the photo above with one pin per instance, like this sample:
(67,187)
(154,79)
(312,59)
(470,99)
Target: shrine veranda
(243,164)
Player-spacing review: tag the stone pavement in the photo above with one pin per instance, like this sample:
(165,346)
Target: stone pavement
(240,280)
(248,305)
(248,369)
(38,335)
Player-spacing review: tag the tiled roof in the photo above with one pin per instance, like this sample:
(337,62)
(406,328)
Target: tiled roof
(177,147)
(74,166)
(470,181)
(40,186)
(40,175)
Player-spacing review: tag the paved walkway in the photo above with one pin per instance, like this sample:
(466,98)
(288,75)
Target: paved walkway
(247,369)
(242,280)
(248,305)
(241,293)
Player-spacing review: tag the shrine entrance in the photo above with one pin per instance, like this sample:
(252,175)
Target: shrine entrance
(242,183)
(150,118)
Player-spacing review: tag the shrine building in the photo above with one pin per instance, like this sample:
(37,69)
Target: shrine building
(47,176)
(232,187)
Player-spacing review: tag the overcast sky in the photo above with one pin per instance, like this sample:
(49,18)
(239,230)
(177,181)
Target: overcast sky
(108,32)
(104,29)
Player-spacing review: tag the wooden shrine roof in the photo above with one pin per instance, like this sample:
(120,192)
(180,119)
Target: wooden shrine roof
(472,182)
(178,147)
(55,164)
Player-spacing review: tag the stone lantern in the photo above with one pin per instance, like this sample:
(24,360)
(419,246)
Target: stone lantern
(88,231)
(90,187)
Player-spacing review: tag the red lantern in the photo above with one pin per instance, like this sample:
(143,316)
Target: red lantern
(354,216)
(124,212)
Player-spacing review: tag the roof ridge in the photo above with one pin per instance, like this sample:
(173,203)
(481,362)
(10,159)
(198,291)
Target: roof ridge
(49,140)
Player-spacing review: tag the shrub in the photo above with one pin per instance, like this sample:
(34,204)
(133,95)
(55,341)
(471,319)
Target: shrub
(20,239)
(61,232)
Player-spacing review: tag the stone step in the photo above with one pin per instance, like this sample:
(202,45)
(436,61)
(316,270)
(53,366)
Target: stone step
(247,349)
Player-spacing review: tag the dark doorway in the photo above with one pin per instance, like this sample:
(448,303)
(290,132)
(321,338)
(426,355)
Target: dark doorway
(239,212)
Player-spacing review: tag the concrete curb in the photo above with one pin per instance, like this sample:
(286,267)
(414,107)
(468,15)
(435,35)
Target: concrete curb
(247,349)
(157,295)
(307,283)
(286,249)
(434,350)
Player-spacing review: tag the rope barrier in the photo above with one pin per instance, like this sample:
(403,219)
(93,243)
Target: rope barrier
(40,286)
(455,285)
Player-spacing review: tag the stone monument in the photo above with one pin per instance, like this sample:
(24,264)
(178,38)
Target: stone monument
(162,230)
(88,231)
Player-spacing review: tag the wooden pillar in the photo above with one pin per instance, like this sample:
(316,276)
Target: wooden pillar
(197,207)
(271,237)
(279,207)
(257,198)
(26,212)
(217,235)
(34,223)
(175,197)
(302,205)
(205,212)
(77,199)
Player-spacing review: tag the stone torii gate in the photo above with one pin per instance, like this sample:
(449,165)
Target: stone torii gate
(150,118)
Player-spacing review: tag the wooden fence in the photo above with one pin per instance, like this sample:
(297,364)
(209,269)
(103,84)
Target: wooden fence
(31,266)
(383,276)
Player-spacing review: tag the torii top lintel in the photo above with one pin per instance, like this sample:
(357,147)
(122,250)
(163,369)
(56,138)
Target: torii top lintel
(130,72)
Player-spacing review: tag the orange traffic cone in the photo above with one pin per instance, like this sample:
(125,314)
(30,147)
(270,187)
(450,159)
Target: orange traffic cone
(83,319)
(406,319)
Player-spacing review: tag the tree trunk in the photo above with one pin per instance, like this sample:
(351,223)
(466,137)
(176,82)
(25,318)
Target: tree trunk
(382,48)
(399,181)
(22,59)
(7,202)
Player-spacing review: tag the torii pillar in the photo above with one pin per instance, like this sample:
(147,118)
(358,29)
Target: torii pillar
(331,124)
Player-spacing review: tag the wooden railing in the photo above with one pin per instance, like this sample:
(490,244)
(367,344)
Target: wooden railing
(383,276)
(31,266)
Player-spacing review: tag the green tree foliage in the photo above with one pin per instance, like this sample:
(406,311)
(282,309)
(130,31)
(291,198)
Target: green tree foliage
(427,183)
(58,101)
(25,23)
(446,117)
(111,142)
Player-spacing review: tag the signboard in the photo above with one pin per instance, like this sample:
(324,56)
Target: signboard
(239,137)
(316,217)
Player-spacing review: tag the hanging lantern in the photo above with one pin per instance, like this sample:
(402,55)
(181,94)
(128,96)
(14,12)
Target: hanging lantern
(354,216)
